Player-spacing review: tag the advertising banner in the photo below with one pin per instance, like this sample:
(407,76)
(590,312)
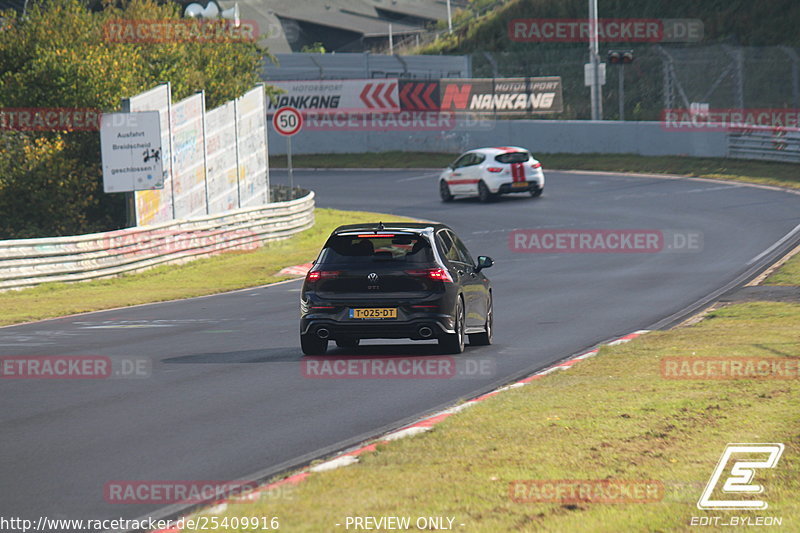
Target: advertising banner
(347,96)
(502,96)
(155,206)
(251,125)
(188,158)
(223,187)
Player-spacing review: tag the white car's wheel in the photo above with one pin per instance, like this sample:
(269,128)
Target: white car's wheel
(484,194)
(444,191)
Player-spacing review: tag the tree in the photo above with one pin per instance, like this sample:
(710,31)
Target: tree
(59,56)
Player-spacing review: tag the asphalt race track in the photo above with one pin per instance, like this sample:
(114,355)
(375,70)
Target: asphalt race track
(226,398)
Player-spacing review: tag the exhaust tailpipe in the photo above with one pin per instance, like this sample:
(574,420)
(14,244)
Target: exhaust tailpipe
(425,332)
(323,333)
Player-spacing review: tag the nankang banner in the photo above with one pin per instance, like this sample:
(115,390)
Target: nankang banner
(502,96)
(350,96)
(481,96)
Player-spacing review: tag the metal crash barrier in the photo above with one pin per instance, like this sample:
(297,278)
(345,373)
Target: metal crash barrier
(767,144)
(29,262)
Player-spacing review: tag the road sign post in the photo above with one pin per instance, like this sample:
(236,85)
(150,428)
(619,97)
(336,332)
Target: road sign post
(130,148)
(289,161)
(288,121)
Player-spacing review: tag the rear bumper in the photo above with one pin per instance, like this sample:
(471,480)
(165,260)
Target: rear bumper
(503,184)
(379,329)
(507,188)
(432,310)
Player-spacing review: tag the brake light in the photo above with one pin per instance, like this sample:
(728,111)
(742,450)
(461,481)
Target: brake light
(375,236)
(316,275)
(435,274)
(494,169)
(536,165)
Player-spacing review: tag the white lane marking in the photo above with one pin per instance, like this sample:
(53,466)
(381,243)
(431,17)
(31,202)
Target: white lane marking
(422,177)
(408,432)
(652,194)
(457,408)
(344,460)
(129,326)
(676,177)
(768,250)
(549,370)
(509,387)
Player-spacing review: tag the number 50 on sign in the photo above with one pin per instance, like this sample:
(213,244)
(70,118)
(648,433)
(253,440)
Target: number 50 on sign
(287,121)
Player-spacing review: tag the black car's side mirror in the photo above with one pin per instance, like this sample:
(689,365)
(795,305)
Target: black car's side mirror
(484,262)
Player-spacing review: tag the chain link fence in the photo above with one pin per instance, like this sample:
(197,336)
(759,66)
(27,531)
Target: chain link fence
(660,77)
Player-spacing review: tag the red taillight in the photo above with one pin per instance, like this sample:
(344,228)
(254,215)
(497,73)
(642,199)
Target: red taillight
(376,236)
(494,169)
(316,275)
(435,274)
(536,165)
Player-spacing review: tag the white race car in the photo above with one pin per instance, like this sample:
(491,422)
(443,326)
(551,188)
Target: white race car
(487,172)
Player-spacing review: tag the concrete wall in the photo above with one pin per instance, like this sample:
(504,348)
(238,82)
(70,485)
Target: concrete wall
(540,136)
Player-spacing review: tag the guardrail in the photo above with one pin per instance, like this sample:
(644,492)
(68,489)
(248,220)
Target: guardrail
(768,144)
(29,262)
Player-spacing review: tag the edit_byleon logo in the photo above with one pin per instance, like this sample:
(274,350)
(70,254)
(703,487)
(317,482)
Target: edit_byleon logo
(739,479)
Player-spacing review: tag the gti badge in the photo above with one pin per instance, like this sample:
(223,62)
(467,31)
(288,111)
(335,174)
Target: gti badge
(372,278)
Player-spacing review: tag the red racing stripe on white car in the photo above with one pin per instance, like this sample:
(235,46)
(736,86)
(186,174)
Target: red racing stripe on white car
(517,172)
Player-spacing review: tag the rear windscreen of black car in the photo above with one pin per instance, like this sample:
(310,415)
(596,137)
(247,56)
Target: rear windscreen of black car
(513,157)
(393,250)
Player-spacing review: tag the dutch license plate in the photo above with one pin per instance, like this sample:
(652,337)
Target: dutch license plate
(374,313)
(519,184)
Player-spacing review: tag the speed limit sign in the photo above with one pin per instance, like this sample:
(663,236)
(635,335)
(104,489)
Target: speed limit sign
(287,121)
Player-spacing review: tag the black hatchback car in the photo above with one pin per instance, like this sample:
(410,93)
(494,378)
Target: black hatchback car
(395,281)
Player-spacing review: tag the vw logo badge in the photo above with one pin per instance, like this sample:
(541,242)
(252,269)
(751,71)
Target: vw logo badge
(372,277)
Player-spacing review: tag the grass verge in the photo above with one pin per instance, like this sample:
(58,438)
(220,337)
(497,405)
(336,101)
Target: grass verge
(224,272)
(610,417)
(788,274)
(766,173)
